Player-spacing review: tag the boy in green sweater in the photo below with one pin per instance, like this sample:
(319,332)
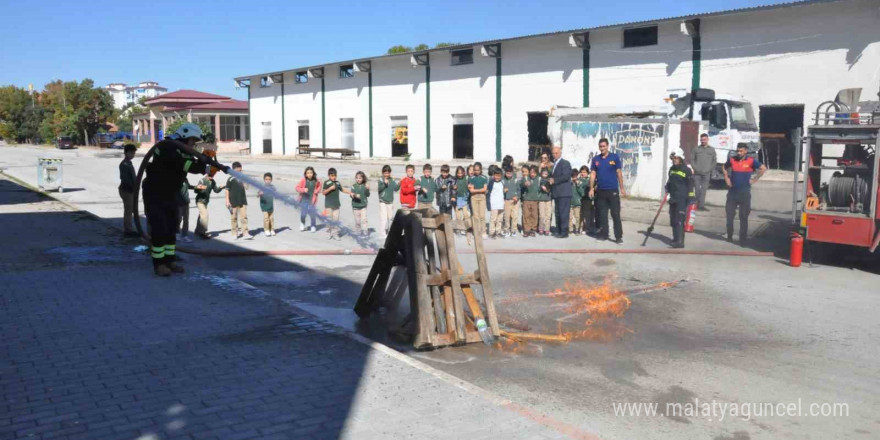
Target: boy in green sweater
(577,191)
(544,207)
(360,195)
(236,201)
(511,200)
(531,187)
(426,187)
(267,205)
(331,191)
(387,187)
(587,211)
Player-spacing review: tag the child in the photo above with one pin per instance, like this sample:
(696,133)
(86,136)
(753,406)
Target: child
(462,199)
(308,197)
(267,205)
(408,189)
(236,201)
(445,191)
(203,197)
(531,189)
(496,205)
(586,214)
(511,200)
(331,190)
(477,187)
(387,187)
(426,188)
(524,175)
(544,206)
(360,194)
(127,178)
(577,191)
(183,211)
(470,171)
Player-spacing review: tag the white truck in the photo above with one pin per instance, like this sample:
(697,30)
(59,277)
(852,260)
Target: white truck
(643,136)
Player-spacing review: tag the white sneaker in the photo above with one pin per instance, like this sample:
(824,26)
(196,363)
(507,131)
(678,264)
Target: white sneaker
(235,236)
(248,236)
(273,233)
(513,233)
(302,227)
(314,229)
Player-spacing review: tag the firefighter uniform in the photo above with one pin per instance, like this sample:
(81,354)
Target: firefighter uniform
(739,195)
(680,186)
(164,177)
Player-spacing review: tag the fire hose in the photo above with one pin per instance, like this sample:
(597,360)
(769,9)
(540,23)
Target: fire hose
(140,175)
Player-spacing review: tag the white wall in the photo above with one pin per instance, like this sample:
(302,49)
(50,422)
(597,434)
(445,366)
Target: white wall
(792,55)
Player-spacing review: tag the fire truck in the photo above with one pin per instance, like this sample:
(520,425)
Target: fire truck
(837,199)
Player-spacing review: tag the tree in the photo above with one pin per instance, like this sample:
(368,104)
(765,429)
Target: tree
(19,114)
(123,120)
(75,109)
(422,46)
(399,49)
(208,134)
(441,45)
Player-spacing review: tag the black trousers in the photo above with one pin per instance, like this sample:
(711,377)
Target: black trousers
(162,218)
(563,214)
(743,201)
(587,220)
(677,213)
(609,200)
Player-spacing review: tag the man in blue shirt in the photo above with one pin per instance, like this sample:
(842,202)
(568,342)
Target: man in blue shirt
(608,178)
(738,176)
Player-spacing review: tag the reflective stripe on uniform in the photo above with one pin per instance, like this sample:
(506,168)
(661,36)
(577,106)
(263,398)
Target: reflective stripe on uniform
(187,165)
(157,252)
(170,249)
(679,173)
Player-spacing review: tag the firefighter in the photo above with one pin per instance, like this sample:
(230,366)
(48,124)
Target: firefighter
(738,175)
(680,187)
(172,159)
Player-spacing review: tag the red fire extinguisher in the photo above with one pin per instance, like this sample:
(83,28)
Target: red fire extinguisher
(690,218)
(796,252)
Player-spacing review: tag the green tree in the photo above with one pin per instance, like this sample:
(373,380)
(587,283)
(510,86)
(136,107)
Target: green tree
(422,46)
(123,120)
(206,129)
(399,49)
(75,109)
(20,114)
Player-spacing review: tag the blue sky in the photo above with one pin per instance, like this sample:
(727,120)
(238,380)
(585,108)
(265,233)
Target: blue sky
(203,44)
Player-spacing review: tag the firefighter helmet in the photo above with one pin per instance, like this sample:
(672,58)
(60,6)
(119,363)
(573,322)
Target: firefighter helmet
(186,131)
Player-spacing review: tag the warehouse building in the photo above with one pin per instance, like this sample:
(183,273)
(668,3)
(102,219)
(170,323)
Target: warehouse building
(489,99)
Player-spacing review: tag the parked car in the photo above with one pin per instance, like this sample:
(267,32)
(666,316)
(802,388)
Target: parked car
(64,142)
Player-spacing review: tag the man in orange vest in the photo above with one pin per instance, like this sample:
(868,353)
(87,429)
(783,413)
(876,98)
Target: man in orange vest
(738,172)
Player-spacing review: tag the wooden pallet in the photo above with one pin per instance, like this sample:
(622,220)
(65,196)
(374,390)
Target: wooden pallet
(423,241)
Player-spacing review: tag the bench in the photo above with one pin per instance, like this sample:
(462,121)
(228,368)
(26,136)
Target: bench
(244,151)
(346,153)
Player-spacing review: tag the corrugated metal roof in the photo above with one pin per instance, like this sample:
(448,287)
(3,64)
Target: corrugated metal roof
(547,34)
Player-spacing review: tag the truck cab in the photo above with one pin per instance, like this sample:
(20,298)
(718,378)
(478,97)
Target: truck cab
(731,121)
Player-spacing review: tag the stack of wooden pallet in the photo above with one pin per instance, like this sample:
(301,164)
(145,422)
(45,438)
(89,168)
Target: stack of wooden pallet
(423,241)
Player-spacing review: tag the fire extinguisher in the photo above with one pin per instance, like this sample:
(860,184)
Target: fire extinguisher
(690,218)
(796,252)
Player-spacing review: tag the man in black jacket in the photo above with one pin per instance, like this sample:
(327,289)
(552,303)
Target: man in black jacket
(561,191)
(680,186)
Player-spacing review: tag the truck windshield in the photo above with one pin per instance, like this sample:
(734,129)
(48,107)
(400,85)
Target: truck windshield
(742,117)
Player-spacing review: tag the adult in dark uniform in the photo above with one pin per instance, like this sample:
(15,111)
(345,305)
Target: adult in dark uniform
(173,158)
(561,191)
(680,187)
(738,172)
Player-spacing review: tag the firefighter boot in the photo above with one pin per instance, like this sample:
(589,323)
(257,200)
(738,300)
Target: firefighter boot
(162,270)
(176,268)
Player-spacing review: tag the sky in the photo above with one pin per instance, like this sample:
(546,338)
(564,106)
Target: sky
(202,44)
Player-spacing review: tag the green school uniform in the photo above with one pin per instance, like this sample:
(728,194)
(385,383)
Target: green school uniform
(577,191)
(204,196)
(429,187)
(479,182)
(387,190)
(362,194)
(237,197)
(461,188)
(532,192)
(543,196)
(331,200)
(511,188)
(267,201)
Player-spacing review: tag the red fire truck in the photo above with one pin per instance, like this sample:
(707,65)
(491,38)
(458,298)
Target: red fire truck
(840,193)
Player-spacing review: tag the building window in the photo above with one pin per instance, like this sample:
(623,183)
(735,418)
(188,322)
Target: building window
(399,136)
(264,81)
(303,133)
(233,128)
(347,133)
(301,77)
(346,71)
(464,56)
(638,37)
